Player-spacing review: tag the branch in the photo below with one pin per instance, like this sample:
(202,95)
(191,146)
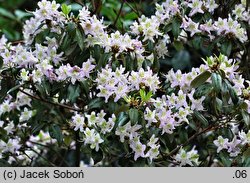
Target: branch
(119,13)
(210,128)
(50,102)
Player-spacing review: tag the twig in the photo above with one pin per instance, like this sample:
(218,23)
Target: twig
(134,10)
(47,146)
(52,164)
(78,150)
(79,2)
(119,13)
(50,102)
(210,128)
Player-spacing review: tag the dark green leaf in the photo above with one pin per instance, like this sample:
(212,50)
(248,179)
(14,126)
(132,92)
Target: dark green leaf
(121,119)
(226,48)
(181,60)
(21,14)
(201,118)
(178,45)
(133,115)
(7,14)
(176,27)
(14,88)
(56,133)
(225,159)
(97,156)
(202,78)
(37,128)
(245,117)
(4,163)
(73,93)
(216,81)
(96,103)
(80,39)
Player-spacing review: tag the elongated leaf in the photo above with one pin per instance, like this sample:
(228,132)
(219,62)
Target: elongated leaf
(96,103)
(216,81)
(232,93)
(201,118)
(80,39)
(37,128)
(122,118)
(245,117)
(202,78)
(226,48)
(14,88)
(73,93)
(133,115)
(176,27)
(7,14)
(56,133)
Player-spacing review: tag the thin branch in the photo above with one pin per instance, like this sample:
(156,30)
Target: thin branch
(119,13)
(50,102)
(210,128)
(47,146)
(133,9)
(79,2)
(52,164)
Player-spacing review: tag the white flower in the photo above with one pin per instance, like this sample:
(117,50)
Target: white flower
(26,115)
(149,27)
(84,14)
(123,131)
(92,119)
(196,103)
(245,138)
(190,26)
(78,122)
(138,148)
(23,99)
(150,116)
(12,145)
(211,5)
(152,141)
(107,126)
(196,7)
(185,158)
(5,107)
(10,128)
(153,152)
(96,141)
(233,147)
(221,143)
(93,138)
(24,74)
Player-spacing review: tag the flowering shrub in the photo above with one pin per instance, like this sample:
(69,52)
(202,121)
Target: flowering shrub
(76,91)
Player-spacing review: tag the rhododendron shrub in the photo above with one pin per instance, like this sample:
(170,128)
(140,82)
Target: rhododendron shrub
(173,90)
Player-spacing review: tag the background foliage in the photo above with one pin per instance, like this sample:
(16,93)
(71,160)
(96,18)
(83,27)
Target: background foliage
(119,15)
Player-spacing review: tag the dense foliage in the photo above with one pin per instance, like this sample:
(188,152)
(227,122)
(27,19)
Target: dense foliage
(94,86)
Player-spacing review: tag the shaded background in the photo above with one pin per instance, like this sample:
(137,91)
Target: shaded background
(14,12)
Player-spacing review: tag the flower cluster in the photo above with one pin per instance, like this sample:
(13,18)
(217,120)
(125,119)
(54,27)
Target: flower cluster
(47,11)
(233,147)
(119,83)
(228,26)
(130,132)
(95,125)
(148,27)
(187,158)
(75,73)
